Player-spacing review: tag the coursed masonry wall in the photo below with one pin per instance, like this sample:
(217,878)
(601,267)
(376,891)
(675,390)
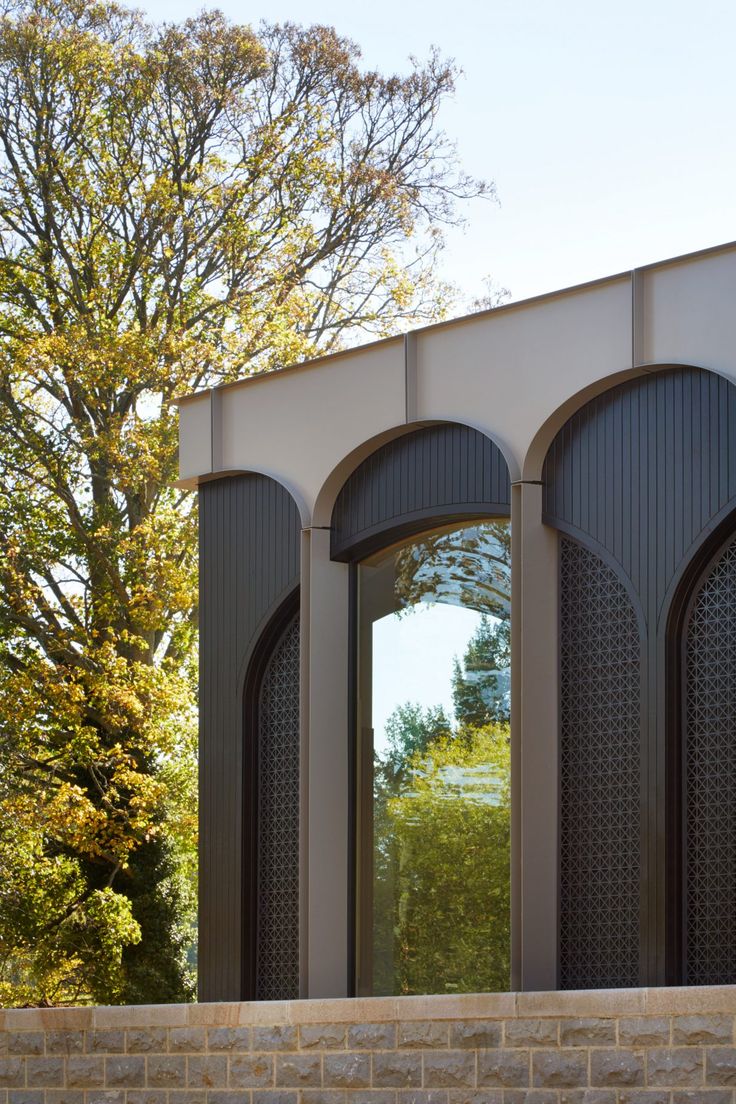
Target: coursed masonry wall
(637,1046)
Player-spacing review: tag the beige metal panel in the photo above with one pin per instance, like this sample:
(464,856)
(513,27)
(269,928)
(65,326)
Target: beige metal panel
(507,372)
(298,426)
(534,671)
(689,313)
(195,436)
(328,803)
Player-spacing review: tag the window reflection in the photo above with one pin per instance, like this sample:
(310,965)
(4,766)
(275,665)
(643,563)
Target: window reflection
(433,764)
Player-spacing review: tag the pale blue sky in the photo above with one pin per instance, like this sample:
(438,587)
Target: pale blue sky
(413,659)
(607,127)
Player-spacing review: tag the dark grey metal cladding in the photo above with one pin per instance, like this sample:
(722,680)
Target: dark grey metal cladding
(437,472)
(249,561)
(644,473)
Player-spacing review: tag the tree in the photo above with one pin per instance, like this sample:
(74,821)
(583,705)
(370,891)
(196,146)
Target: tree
(481,688)
(441,905)
(179,206)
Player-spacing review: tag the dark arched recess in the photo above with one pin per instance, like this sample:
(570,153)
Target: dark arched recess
(639,477)
(271,801)
(420,480)
(249,564)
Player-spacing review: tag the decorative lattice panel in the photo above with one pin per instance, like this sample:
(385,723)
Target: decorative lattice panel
(600,741)
(710,779)
(277,938)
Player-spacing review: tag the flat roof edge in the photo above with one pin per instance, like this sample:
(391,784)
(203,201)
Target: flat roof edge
(463,319)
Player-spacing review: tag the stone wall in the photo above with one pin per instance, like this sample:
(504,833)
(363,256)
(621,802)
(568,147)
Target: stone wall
(642,1046)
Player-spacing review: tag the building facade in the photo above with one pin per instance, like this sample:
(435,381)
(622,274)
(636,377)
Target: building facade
(576,454)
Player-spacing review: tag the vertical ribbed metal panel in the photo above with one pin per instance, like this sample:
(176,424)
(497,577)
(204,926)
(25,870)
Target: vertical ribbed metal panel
(440,471)
(249,559)
(643,472)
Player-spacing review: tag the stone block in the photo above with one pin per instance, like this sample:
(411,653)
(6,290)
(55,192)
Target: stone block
(347,1070)
(589,1096)
(589,1031)
(720,1066)
(251,1071)
(45,1073)
(147,1096)
(125,1073)
(623,1068)
(280,1037)
(146,1040)
(85,1071)
(105,1041)
(274,1096)
(422,1096)
(559,1069)
(397,1069)
(644,1096)
(675,1066)
(324,1096)
(644,1031)
(64,1096)
(207,1071)
(106,1096)
(423,1033)
(224,1096)
(64,1042)
(372,1036)
(475,1096)
(530,1033)
(25,1096)
(12,1073)
(530,1096)
(475,1034)
(507,1069)
(372,1096)
(187,1040)
(322,1036)
(713,1030)
(702,1096)
(167,1071)
(295,1070)
(24,1042)
(449,1069)
(231,1039)
(192,1096)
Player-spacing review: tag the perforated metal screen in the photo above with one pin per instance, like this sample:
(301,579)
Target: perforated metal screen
(600,736)
(277,924)
(710,779)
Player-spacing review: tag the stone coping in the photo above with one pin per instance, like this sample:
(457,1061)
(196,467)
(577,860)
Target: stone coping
(690,1000)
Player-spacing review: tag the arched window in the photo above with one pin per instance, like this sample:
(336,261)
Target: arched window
(423,521)
(433,747)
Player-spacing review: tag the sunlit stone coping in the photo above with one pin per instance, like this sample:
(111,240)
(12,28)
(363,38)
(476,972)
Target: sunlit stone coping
(588,1002)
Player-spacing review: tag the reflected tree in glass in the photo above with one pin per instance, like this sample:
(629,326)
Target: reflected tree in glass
(439,862)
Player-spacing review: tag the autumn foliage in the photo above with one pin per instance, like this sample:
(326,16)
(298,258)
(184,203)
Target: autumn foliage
(179,206)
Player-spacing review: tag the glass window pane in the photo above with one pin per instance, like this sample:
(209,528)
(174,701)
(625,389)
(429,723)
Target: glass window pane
(433,764)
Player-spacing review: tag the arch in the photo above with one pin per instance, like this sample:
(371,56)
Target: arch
(646,471)
(250,536)
(271,785)
(428,477)
(341,473)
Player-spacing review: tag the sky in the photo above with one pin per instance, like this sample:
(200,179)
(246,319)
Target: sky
(608,128)
(413,659)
